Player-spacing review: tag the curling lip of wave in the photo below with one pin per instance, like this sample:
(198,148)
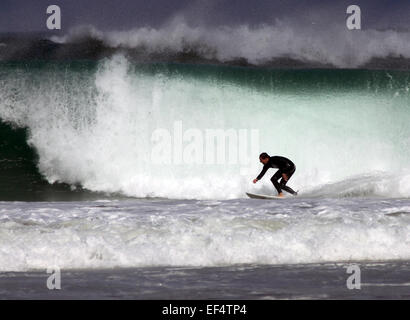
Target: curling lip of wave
(256,45)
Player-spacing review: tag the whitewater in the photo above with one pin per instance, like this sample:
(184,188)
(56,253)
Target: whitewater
(96,127)
(201,233)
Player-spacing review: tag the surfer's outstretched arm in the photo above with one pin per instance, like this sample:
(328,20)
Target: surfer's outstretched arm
(265,168)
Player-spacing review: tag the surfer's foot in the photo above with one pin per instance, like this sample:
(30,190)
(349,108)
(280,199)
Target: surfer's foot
(280,195)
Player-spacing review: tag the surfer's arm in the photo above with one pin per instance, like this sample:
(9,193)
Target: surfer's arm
(265,168)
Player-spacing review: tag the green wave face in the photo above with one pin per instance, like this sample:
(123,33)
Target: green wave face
(91,124)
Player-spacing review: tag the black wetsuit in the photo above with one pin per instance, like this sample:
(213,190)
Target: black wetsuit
(285,166)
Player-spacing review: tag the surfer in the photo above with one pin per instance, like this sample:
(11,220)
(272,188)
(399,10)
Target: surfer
(286,170)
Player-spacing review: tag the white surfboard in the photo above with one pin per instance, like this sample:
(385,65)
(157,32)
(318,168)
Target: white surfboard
(261,196)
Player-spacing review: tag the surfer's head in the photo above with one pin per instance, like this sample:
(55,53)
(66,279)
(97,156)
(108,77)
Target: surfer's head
(264,157)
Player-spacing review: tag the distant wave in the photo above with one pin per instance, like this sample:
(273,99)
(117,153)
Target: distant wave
(256,45)
(278,44)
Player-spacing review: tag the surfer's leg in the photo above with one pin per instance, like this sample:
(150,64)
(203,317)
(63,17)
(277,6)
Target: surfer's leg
(283,185)
(275,179)
(290,190)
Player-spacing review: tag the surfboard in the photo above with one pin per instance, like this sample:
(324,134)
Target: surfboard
(261,196)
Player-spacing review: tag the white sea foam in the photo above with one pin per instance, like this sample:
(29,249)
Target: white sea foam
(136,234)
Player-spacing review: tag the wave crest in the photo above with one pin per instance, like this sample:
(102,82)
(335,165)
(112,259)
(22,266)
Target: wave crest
(257,45)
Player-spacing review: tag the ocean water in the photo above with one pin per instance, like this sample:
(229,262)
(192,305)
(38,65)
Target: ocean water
(201,233)
(81,186)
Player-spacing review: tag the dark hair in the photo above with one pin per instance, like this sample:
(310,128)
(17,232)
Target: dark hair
(264,155)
